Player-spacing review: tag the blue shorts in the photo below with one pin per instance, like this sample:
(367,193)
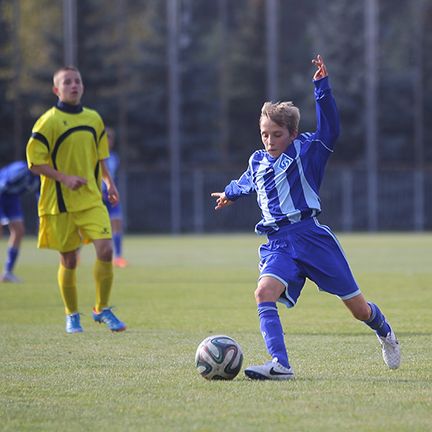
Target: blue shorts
(115,212)
(307,250)
(10,208)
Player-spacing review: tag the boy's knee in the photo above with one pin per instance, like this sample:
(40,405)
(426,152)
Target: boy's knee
(105,251)
(268,289)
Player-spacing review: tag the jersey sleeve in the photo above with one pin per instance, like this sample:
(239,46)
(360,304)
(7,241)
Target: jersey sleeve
(241,187)
(103,146)
(37,150)
(327,114)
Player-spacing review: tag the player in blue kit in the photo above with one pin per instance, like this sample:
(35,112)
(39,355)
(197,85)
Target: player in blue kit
(115,212)
(286,177)
(15,180)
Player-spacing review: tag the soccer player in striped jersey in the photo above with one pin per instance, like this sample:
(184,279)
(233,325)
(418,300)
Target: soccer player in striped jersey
(15,180)
(67,149)
(286,176)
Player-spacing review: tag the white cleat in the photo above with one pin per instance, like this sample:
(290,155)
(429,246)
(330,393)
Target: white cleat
(9,277)
(271,370)
(390,350)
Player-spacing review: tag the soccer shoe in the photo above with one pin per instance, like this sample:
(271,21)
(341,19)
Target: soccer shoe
(73,324)
(271,370)
(120,262)
(9,277)
(390,350)
(112,322)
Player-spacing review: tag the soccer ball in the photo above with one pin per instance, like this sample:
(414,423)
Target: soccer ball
(219,358)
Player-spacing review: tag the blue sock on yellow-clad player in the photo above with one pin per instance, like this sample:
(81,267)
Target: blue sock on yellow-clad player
(103,275)
(272,332)
(67,283)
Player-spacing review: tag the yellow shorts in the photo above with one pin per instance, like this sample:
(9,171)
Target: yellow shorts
(66,232)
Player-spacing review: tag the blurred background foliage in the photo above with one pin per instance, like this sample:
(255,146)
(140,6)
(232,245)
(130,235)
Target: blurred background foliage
(122,54)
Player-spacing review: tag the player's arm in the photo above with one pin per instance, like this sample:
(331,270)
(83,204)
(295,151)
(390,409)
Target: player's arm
(37,151)
(235,189)
(112,192)
(71,182)
(326,109)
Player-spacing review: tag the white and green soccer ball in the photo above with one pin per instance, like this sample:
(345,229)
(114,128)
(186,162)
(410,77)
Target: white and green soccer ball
(219,357)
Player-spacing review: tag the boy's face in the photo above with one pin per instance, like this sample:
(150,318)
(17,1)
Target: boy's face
(275,138)
(68,87)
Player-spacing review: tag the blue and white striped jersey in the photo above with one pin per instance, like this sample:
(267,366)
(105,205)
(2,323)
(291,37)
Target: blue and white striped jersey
(16,178)
(288,187)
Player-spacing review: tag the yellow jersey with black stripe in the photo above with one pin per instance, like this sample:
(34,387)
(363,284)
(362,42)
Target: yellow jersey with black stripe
(72,140)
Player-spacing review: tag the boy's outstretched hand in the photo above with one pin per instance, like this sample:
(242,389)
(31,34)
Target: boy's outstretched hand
(221,200)
(322,70)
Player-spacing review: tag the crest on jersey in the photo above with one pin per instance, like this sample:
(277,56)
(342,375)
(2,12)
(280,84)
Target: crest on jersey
(284,161)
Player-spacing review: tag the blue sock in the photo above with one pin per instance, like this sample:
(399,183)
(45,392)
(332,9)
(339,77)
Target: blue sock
(12,255)
(271,329)
(117,240)
(377,321)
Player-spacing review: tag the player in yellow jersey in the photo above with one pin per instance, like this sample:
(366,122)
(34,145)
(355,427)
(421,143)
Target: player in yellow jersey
(67,149)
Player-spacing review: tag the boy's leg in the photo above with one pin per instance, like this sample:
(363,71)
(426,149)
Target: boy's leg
(68,290)
(11,213)
(369,313)
(372,316)
(117,241)
(377,321)
(103,276)
(103,272)
(11,257)
(117,236)
(117,231)
(16,228)
(60,233)
(66,277)
(95,226)
(329,269)
(268,291)
(272,332)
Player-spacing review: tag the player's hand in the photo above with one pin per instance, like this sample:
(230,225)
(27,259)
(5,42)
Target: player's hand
(113,195)
(221,201)
(322,70)
(73,182)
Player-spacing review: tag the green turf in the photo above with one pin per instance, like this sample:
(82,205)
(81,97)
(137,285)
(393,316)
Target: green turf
(177,291)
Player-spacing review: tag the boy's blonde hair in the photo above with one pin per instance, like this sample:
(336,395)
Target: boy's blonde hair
(62,69)
(284,114)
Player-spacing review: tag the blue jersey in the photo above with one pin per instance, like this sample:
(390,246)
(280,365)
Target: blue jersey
(287,187)
(16,179)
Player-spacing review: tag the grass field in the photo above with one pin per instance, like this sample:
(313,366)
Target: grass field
(177,291)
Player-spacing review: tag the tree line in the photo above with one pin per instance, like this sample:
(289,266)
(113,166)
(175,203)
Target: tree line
(122,54)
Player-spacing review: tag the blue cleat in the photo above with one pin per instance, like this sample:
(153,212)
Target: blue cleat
(107,316)
(73,324)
